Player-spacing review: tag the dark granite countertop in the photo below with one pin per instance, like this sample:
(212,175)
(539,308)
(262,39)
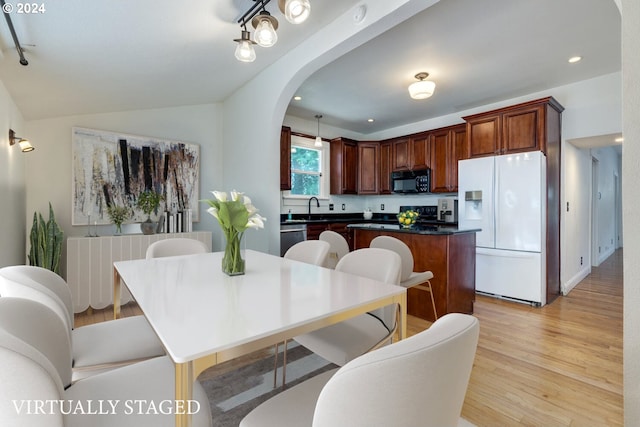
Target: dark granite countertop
(415,229)
(353,218)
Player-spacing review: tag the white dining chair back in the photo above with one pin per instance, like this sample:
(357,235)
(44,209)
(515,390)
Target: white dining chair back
(419,381)
(339,247)
(408,277)
(175,247)
(308,251)
(36,363)
(96,347)
(341,342)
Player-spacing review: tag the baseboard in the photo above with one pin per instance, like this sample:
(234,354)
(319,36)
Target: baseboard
(603,257)
(577,278)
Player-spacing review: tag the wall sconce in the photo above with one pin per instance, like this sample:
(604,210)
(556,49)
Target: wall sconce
(25,145)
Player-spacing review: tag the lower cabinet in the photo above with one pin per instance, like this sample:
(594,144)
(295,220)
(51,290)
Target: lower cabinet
(450,257)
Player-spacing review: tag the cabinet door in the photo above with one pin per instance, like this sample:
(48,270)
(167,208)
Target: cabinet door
(440,153)
(314,230)
(483,136)
(343,166)
(400,155)
(368,167)
(419,152)
(285,158)
(459,151)
(523,130)
(384,177)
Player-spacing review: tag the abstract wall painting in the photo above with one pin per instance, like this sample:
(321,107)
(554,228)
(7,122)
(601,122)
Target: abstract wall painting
(110,167)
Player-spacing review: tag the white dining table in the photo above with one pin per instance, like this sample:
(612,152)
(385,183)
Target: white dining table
(204,317)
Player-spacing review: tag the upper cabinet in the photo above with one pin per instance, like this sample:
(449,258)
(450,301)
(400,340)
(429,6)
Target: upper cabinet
(448,145)
(368,167)
(410,153)
(384,176)
(514,129)
(344,166)
(285,158)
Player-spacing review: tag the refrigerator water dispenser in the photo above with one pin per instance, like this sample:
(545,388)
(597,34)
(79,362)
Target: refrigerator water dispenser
(473,205)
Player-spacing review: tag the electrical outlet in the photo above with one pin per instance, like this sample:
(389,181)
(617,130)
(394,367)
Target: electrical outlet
(344,206)
(381,206)
(580,260)
(330,206)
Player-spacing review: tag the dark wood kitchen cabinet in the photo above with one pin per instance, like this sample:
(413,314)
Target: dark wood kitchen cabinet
(448,145)
(410,153)
(315,229)
(368,167)
(285,158)
(384,182)
(343,166)
(518,128)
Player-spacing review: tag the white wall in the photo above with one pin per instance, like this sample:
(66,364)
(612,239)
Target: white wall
(605,202)
(49,166)
(631,207)
(12,184)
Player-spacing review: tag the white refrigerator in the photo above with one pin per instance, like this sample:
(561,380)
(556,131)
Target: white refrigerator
(505,196)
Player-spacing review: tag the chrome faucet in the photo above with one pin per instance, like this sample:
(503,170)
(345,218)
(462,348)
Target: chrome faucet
(317,204)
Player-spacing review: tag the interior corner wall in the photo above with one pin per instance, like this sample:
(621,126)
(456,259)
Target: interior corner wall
(605,201)
(49,167)
(12,184)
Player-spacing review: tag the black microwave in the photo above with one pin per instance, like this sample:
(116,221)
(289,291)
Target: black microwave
(416,181)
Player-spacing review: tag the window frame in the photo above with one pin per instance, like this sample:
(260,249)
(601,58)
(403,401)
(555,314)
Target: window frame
(308,142)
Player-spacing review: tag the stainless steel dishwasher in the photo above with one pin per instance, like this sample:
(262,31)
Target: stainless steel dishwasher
(290,234)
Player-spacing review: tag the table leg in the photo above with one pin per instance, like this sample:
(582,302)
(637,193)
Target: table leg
(185,376)
(116,294)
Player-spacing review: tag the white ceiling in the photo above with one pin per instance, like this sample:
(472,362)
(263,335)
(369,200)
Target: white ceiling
(91,57)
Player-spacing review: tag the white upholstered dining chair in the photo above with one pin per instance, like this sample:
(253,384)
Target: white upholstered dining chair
(35,355)
(310,252)
(176,246)
(339,247)
(408,277)
(341,342)
(95,348)
(419,381)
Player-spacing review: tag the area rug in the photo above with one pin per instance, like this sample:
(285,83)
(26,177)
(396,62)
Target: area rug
(234,394)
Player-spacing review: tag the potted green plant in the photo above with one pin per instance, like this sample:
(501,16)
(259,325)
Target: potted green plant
(46,242)
(148,201)
(118,215)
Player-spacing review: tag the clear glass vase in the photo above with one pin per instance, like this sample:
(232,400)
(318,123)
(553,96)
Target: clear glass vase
(232,261)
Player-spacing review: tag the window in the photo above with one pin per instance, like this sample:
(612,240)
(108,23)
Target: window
(308,164)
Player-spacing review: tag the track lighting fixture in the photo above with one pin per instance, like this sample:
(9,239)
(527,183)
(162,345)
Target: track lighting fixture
(25,145)
(265,25)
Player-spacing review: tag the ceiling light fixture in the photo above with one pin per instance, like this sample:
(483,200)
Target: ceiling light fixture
(423,88)
(296,11)
(25,145)
(575,59)
(318,142)
(244,50)
(266,26)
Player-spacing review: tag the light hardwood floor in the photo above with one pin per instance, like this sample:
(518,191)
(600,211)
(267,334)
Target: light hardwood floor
(559,365)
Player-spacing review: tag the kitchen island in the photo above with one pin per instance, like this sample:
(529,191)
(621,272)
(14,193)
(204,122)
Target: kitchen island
(447,251)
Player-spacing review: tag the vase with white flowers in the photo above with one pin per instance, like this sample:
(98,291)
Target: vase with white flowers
(235,214)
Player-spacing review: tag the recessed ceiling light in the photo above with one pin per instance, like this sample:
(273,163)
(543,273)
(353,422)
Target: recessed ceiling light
(370,120)
(575,59)
(619,139)
(297,98)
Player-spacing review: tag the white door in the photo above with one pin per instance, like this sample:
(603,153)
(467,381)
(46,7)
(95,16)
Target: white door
(476,181)
(520,201)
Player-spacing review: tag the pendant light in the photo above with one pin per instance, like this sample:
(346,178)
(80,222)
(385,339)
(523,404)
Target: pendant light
(423,88)
(244,50)
(318,142)
(296,11)
(266,26)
